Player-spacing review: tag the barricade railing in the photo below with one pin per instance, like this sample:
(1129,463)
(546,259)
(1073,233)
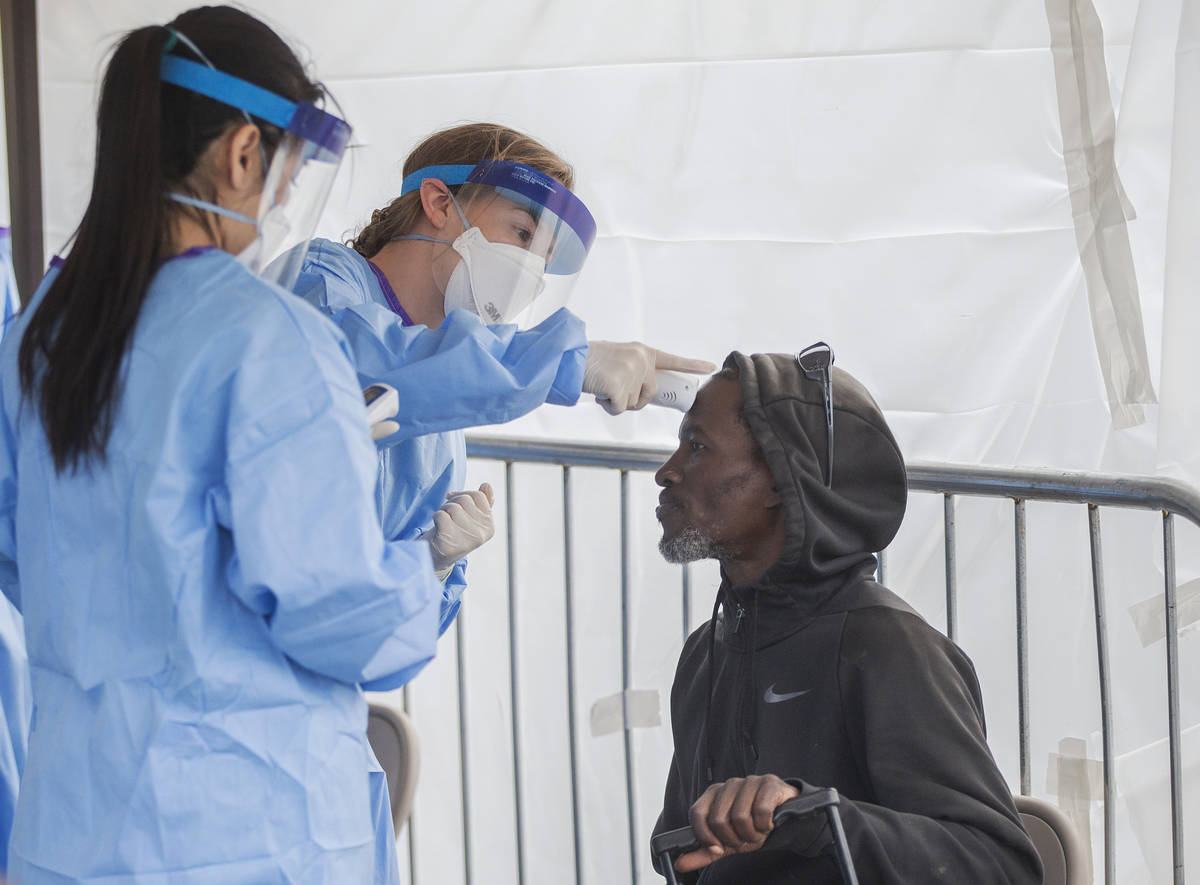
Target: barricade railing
(952,481)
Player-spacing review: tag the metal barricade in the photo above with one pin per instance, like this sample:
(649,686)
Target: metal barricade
(1095,491)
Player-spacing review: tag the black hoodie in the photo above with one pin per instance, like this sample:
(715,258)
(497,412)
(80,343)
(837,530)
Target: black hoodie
(817,674)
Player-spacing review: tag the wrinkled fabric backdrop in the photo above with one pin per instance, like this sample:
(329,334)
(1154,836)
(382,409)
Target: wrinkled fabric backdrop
(990,210)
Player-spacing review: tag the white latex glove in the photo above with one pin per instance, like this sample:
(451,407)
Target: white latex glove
(621,376)
(380,429)
(461,525)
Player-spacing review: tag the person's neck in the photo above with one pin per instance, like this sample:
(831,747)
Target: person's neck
(408,267)
(741,571)
(749,561)
(187,234)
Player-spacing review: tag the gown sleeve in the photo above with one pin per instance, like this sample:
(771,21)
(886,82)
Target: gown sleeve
(298,499)
(465,374)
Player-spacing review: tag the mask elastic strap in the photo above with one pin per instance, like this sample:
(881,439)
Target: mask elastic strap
(179,36)
(422,237)
(211,207)
(461,214)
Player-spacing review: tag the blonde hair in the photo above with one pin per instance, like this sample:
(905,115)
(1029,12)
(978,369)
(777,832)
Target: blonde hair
(467,145)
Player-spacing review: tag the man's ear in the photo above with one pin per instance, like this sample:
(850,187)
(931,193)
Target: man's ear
(436,203)
(773,499)
(242,158)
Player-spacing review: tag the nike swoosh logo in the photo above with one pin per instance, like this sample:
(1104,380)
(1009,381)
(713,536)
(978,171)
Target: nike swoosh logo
(772,698)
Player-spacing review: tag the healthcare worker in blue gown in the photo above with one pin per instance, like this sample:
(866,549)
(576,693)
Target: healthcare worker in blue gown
(187,518)
(427,294)
(15,699)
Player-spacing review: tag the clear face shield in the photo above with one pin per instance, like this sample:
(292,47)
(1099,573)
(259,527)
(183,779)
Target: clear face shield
(525,239)
(298,179)
(297,187)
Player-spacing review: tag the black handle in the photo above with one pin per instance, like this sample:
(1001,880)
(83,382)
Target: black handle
(669,845)
(805,805)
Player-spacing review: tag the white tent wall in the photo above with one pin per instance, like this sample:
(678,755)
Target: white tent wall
(890,178)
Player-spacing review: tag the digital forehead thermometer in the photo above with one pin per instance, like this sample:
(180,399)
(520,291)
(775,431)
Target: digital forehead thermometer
(382,402)
(675,390)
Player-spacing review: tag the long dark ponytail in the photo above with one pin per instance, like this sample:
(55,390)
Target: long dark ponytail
(149,138)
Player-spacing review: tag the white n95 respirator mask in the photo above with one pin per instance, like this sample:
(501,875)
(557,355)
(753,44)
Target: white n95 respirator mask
(495,281)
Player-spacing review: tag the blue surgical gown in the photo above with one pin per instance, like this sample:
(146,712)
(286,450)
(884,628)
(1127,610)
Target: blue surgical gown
(462,374)
(15,701)
(9,302)
(201,608)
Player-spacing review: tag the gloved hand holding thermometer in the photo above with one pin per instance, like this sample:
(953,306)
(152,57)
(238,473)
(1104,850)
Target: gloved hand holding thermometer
(675,390)
(628,376)
(461,525)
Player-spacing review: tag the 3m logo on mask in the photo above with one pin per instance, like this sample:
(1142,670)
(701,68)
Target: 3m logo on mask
(494,281)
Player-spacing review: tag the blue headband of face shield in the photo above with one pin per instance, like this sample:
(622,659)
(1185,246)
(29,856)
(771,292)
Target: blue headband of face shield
(327,134)
(575,229)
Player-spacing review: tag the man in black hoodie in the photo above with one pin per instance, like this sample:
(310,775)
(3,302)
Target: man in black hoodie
(810,674)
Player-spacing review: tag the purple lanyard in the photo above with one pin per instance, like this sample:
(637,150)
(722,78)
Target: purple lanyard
(393,303)
(193,252)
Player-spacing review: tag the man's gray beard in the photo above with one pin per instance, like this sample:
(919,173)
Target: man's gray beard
(689,546)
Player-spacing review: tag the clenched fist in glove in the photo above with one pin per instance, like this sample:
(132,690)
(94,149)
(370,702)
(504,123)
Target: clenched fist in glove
(621,376)
(461,525)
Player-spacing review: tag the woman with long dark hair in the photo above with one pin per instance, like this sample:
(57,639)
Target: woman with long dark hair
(187,515)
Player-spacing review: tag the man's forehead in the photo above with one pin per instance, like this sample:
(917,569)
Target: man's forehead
(717,409)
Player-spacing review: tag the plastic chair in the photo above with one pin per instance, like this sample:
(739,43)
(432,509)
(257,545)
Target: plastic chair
(394,741)
(1064,860)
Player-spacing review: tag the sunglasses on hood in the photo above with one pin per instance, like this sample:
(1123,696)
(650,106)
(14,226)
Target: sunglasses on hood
(816,362)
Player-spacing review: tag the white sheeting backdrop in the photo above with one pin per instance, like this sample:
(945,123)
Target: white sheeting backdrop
(891,178)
